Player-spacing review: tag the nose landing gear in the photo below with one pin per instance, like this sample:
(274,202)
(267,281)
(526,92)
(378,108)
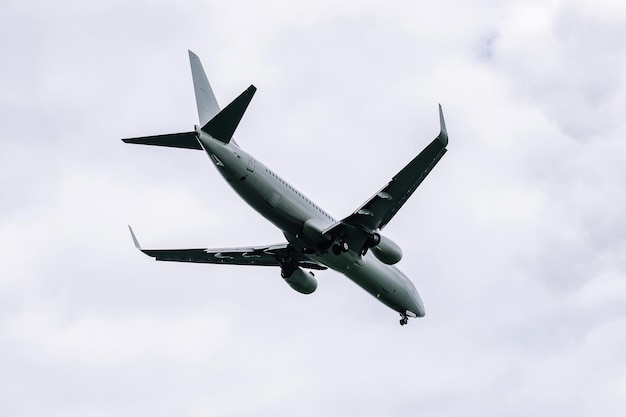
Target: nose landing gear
(404,320)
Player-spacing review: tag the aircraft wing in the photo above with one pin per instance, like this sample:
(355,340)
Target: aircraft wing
(269,255)
(382,206)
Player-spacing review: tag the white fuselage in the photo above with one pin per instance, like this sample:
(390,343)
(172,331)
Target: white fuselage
(288,209)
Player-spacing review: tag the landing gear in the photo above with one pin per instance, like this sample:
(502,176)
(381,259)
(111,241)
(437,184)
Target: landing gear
(340,247)
(404,320)
(287,270)
(373,239)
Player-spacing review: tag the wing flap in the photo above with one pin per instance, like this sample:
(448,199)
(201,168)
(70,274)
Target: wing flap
(233,256)
(253,256)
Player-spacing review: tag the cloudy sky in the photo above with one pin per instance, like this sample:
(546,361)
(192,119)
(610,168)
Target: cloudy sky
(515,241)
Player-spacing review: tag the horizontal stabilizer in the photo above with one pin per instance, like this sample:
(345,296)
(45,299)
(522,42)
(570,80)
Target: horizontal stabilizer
(185,140)
(223,125)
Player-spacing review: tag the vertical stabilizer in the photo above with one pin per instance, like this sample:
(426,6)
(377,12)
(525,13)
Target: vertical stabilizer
(205,99)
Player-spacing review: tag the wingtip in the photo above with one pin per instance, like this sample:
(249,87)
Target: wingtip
(443,134)
(135,241)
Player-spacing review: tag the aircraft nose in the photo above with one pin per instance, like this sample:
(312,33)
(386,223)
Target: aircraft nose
(417,305)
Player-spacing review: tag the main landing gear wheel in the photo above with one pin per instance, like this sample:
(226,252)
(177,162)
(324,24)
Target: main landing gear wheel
(340,247)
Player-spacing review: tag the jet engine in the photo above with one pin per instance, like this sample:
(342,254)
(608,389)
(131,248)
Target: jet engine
(386,250)
(301,281)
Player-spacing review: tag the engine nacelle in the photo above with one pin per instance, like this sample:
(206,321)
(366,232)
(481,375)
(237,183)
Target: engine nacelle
(387,250)
(301,281)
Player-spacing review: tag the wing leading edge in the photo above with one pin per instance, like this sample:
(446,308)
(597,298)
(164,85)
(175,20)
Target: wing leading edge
(269,255)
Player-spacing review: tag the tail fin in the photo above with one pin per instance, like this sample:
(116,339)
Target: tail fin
(219,124)
(223,125)
(205,99)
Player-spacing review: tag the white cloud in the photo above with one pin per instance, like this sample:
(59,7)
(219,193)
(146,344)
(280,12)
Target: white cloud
(515,241)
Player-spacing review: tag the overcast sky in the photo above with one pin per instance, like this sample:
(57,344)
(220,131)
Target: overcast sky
(515,241)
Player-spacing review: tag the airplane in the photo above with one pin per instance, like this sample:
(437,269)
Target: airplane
(353,246)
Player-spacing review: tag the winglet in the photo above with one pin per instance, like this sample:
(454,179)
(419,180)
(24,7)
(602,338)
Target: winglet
(135,241)
(443,135)
(224,124)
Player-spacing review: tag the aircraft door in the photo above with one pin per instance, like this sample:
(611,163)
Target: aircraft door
(251,164)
